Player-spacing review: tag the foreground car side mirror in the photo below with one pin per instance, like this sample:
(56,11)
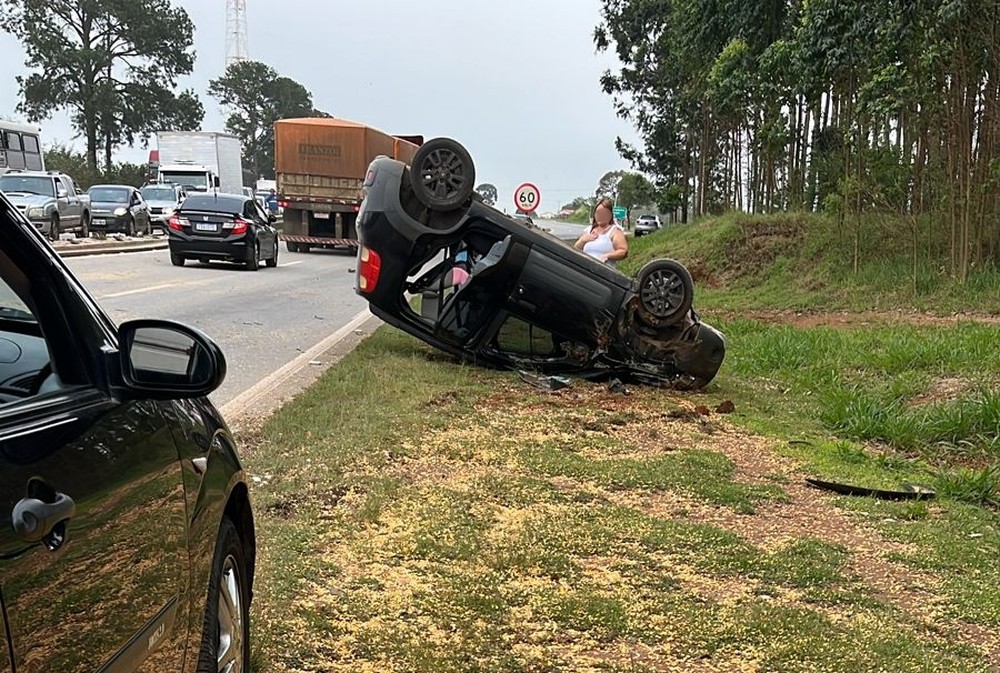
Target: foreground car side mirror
(271,218)
(161,359)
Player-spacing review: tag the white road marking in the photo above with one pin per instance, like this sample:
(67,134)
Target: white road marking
(153,288)
(140,290)
(247,400)
(291,263)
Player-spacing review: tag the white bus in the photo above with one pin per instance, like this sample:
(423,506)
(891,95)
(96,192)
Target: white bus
(20,147)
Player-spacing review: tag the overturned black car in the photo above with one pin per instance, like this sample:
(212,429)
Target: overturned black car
(441,265)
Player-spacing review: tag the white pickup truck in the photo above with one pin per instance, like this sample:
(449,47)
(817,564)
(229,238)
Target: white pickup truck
(50,200)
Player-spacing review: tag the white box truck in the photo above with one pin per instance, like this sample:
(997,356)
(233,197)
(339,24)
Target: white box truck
(200,160)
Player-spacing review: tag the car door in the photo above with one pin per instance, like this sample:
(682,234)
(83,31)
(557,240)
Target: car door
(93,556)
(140,211)
(72,212)
(270,241)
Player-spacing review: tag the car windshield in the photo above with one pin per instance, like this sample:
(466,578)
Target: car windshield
(108,195)
(190,181)
(158,193)
(27,184)
(214,203)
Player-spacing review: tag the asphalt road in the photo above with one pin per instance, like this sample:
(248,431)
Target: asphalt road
(262,320)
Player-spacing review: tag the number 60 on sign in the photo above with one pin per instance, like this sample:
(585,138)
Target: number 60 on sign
(527,198)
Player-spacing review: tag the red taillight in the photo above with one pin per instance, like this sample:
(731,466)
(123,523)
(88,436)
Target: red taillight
(368,269)
(177,223)
(282,204)
(240,226)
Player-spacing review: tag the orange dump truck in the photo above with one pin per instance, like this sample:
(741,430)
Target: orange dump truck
(320,165)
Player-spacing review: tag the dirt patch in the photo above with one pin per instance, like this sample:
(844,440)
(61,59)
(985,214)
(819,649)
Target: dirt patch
(944,389)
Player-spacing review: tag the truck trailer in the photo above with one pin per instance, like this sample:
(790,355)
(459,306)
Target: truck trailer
(320,166)
(200,161)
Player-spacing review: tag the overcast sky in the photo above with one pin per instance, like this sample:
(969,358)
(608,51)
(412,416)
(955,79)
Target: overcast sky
(516,82)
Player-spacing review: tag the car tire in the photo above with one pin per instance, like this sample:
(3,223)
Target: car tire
(177,260)
(54,227)
(253,258)
(225,641)
(273,262)
(85,226)
(666,292)
(443,174)
(292,247)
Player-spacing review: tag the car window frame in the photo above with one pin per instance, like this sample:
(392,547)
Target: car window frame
(75,335)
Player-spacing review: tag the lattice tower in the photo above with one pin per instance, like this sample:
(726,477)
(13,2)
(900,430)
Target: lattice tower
(236,31)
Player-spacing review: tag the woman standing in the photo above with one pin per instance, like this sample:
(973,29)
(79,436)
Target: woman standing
(605,240)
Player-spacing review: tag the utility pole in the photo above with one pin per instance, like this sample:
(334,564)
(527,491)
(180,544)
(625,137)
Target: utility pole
(236,32)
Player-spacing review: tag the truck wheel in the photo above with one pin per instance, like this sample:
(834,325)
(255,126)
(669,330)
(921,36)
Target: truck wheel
(177,260)
(292,247)
(85,226)
(54,227)
(666,292)
(443,174)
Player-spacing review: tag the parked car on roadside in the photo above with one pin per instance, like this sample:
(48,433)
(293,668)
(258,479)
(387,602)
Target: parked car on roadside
(223,227)
(647,224)
(126,531)
(495,292)
(163,199)
(50,200)
(119,208)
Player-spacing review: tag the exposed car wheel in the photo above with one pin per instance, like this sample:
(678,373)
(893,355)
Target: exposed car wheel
(443,175)
(85,226)
(54,227)
(273,262)
(177,260)
(253,257)
(225,642)
(666,292)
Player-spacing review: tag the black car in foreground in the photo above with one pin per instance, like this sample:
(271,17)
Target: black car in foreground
(222,227)
(126,535)
(438,263)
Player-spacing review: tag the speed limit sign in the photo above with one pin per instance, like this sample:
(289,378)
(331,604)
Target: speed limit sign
(527,198)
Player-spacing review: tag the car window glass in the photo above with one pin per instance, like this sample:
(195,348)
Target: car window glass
(518,337)
(108,195)
(67,184)
(25,370)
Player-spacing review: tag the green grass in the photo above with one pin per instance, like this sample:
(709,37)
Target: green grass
(416,514)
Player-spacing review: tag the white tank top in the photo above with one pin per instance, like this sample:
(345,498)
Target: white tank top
(603,244)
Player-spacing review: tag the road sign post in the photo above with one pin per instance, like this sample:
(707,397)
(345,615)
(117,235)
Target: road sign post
(527,198)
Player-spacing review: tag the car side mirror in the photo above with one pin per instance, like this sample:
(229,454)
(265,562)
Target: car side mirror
(161,359)
(271,218)
(61,193)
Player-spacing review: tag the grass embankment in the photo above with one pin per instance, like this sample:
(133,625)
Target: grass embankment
(416,514)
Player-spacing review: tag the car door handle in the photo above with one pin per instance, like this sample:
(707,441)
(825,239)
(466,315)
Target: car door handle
(34,519)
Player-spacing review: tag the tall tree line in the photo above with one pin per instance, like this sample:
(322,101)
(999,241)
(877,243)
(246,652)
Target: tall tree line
(843,105)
